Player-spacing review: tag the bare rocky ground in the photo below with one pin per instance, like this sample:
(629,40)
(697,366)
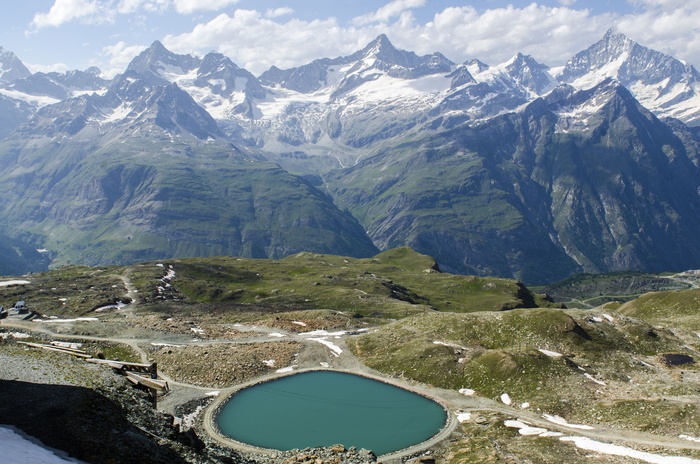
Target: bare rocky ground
(223,365)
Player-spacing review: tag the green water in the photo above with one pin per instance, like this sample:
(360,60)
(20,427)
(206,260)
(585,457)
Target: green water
(324,408)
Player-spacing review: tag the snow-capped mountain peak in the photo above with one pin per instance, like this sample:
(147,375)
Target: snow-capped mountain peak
(157,64)
(660,82)
(529,73)
(11,68)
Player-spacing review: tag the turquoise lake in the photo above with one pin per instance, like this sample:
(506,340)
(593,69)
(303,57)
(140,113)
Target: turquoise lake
(323,408)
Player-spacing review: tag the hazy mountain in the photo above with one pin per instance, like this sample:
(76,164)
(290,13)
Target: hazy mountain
(17,257)
(11,67)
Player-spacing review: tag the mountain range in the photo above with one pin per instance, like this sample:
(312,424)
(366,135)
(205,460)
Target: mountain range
(513,170)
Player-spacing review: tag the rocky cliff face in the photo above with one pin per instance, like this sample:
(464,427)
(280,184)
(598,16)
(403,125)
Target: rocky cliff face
(524,195)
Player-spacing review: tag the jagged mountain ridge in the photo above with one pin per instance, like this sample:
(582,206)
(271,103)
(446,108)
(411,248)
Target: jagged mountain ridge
(335,110)
(526,195)
(481,143)
(11,67)
(663,84)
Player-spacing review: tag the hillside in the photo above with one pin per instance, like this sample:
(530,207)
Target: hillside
(215,323)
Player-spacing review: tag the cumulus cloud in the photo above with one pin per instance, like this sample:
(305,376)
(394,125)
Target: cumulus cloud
(277,12)
(101,11)
(551,35)
(132,6)
(388,11)
(190,6)
(670,26)
(56,67)
(257,40)
(64,11)
(548,34)
(119,56)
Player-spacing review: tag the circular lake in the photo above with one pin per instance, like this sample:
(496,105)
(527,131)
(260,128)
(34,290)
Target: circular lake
(323,408)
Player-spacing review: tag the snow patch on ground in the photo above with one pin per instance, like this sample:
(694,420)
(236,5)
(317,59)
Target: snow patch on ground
(276,334)
(73,346)
(590,377)
(14,282)
(561,421)
(325,333)
(117,114)
(213,393)
(284,370)
(117,306)
(551,354)
(466,391)
(335,349)
(616,450)
(34,100)
(269,362)
(303,324)
(19,450)
(526,429)
(451,345)
(505,398)
(78,319)
(189,419)
(463,416)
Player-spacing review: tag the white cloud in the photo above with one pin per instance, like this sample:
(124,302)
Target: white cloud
(190,6)
(64,11)
(388,11)
(670,26)
(119,56)
(277,12)
(102,11)
(257,40)
(551,35)
(56,67)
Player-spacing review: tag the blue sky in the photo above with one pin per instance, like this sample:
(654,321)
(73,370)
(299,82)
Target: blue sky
(255,34)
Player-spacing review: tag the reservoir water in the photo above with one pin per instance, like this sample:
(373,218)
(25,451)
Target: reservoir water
(323,408)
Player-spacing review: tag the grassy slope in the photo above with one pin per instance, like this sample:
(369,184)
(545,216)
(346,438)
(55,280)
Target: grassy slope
(498,352)
(394,284)
(70,290)
(677,309)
